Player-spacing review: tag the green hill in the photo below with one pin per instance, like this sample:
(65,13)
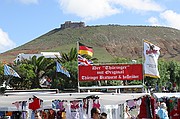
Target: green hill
(108,41)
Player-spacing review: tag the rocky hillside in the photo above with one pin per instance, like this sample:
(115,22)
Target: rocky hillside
(108,41)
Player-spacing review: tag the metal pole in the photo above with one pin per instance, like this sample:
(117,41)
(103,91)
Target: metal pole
(78,68)
(142,59)
(7,82)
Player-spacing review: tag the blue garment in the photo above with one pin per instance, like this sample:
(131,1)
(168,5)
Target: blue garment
(162,113)
(2,113)
(33,115)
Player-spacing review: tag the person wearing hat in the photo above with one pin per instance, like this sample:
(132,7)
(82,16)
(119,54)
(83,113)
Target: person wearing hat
(162,112)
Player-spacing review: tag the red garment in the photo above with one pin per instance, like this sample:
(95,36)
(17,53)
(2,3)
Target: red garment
(35,104)
(143,113)
(75,104)
(175,114)
(84,103)
(96,104)
(146,108)
(179,103)
(153,102)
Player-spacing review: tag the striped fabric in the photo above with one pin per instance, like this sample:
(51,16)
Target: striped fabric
(85,50)
(83,61)
(9,71)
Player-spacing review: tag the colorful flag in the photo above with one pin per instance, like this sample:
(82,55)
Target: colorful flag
(83,61)
(151,53)
(61,69)
(85,50)
(9,71)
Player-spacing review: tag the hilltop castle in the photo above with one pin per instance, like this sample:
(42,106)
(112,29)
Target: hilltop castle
(69,24)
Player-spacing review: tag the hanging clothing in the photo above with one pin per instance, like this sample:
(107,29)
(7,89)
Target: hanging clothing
(112,111)
(146,108)
(153,108)
(36,104)
(96,103)
(75,109)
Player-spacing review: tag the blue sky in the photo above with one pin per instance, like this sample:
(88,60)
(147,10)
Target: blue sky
(24,20)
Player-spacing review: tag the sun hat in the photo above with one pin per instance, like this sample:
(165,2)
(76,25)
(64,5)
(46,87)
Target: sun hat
(163,105)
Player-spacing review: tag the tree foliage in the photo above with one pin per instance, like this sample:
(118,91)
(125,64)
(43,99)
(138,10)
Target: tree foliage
(34,69)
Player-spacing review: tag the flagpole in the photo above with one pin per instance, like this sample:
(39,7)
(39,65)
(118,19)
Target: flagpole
(142,59)
(7,82)
(9,72)
(78,68)
(56,76)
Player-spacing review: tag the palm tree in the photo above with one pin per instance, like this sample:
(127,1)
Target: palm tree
(67,57)
(41,65)
(69,61)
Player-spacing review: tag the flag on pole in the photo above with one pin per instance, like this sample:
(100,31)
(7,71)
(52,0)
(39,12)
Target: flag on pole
(61,69)
(9,71)
(85,50)
(83,61)
(151,53)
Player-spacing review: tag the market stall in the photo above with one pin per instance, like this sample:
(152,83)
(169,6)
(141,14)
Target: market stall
(106,101)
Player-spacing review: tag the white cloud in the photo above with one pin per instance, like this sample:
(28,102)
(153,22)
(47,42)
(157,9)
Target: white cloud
(139,5)
(154,21)
(95,9)
(88,9)
(5,42)
(172,18)
(29,1)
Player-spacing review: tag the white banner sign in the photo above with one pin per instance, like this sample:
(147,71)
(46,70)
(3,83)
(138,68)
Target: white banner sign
(151,53)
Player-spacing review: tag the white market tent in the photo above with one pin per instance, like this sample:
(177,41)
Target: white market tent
(160,95)
(105,98)
(6,102)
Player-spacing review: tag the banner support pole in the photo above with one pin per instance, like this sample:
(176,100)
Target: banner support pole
(78,68)
(143,62)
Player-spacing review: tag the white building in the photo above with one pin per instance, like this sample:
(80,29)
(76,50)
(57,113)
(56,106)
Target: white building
(23,56)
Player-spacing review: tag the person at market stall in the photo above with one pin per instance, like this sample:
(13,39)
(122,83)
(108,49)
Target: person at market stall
(95,113)
(162,112)
(37,115)
(157,108)
(103,115)
(175,113)
(51,114)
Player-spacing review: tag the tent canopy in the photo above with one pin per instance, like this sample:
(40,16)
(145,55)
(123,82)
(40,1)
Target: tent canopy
(160,95)
(105,98)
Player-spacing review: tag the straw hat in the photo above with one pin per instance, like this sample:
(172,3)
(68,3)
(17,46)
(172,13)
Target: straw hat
(163,105)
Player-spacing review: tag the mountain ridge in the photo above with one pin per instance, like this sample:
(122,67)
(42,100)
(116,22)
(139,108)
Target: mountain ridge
(108,41)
